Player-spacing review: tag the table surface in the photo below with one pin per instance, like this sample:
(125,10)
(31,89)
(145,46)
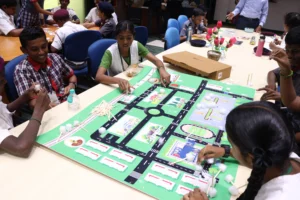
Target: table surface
(46,175)
(10,46)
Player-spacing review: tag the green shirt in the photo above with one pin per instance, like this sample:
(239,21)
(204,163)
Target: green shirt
(107,57)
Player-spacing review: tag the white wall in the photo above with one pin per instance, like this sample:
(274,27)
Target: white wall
(275,16)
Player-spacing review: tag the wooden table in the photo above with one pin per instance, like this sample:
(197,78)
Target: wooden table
(46,175)
(10,46)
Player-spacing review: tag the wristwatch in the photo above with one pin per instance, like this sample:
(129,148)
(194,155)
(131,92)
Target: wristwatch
(227,150)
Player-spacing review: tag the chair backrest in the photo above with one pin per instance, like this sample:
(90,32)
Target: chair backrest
(181,20)
(76,45)
(172,38)
(96,52)
(9,76)
(173,23)
(141,34)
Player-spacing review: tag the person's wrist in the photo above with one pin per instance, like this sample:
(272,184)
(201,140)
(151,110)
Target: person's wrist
(38,113)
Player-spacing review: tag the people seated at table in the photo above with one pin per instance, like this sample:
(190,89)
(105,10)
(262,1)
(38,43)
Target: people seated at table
(289,63)
(30,12)
(93,16)
(195,22)
(124,53)
(291,20)
(261,140)
(61,17)
(22,145)
(40,67)
(253,14)
(7,24)
(107,23)
(64,5)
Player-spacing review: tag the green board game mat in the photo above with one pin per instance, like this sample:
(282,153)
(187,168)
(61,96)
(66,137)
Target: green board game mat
(142,185)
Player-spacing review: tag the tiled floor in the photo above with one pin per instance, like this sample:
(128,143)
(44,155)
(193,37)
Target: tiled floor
(155,45)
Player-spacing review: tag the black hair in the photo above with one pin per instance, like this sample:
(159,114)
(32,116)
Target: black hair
(292,20)
(198,12)
(31,33)
(106,8)
(260,129)
(293,36)
(125,25)
(8,3)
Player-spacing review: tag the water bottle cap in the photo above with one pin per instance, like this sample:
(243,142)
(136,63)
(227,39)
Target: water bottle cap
(263,37)
(72,91)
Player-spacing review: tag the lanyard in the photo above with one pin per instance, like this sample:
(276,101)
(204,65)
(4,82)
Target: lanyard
(122,59)
(45,81)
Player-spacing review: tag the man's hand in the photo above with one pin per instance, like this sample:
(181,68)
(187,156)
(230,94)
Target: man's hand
(258,29)
(281,58)
(197,194)
(42,101)
(165,77)
(31,93)
(270,94)
(68,88)
(230,16)
(124,85)
(210,152)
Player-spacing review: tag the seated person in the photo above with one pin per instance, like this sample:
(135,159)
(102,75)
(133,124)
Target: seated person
(7,24)
(288,61)
(22,145)
(64,5)
(124,53)
(93,17)
(66,28)
(291,20)
(195,22)
(48,70)
(262,141)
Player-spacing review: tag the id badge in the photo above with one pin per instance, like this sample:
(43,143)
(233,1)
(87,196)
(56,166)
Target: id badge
(53,97)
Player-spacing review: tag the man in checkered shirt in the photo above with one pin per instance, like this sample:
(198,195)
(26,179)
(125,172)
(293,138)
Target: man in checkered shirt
(48,70)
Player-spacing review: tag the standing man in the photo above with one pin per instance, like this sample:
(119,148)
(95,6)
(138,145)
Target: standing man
(253,14)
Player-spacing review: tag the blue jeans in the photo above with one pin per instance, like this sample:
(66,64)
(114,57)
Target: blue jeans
(244,22)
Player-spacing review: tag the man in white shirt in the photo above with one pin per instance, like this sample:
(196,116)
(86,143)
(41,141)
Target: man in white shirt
(64,5)
(21,146)
(67,27)
(7,24)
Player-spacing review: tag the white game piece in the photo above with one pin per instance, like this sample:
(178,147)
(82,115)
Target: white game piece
(131,90)
(233,191)
(102,130)
(222,167)
(161,141)
(210,160)
(223,111)
(229,178)
(208,98)
(154,92)
(37,87)
(162,91)
(198,168)
(212,192)
(190,157)
(62,130)
(199,106)
(228,89)
(76,123)
(69,127)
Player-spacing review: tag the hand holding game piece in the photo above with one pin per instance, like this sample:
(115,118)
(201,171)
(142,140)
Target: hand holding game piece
(197,194)
(210,160)
(210,151)
(124,85)
(37,87)
(165,77)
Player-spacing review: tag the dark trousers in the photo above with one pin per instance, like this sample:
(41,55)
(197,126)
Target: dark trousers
(244,22)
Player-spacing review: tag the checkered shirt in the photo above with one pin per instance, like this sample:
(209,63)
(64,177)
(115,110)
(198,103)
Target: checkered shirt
(28,15)
(52,77)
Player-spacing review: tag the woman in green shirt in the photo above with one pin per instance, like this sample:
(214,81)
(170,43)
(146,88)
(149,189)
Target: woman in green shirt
(119,56)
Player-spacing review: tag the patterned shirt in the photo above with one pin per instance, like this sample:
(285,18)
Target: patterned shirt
(108,27)
(196,29)
(254,9)
(51,77)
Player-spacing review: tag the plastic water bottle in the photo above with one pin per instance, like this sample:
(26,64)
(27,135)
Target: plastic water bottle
(189,37)
(73,100)
(260,47)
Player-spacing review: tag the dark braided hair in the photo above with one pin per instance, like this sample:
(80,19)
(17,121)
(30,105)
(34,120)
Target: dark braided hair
(260,129)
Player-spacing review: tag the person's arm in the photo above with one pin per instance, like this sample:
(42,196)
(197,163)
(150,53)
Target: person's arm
(88,18)
(287,90)
(101,77)
(264,14)
(15,32)
(210,151)
(50,19)
(68,74)
(74,17)
(271,78)
(21,146)
(89,25)
(238,9)
(56,45)
(183,33)
(8,29)
(40,9)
